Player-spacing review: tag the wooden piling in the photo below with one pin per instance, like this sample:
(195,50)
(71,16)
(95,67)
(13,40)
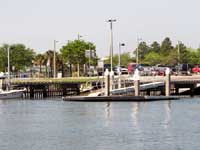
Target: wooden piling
(167,82)
(107,83)
(137,87)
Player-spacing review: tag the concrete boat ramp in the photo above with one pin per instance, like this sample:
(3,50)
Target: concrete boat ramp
(117,95)
(142,87)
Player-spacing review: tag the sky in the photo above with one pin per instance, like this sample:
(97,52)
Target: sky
(37,23)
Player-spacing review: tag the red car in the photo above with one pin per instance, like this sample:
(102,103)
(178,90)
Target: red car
(196,69)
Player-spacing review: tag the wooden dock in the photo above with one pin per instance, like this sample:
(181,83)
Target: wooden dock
(150,86)
(35,90)
(118,98)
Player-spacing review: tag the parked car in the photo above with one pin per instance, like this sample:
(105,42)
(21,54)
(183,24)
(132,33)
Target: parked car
(122,69)
(2,75)
(92,72)
(160,70)
(184,69)
(196,69)
(145,69)
(131,68)
(101,70)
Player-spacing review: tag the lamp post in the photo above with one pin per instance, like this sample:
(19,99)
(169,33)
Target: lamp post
(79,36)
(8,53)
(179,52)
(119,58)
(111,41)
(137,54)
(119,64)
(54,59)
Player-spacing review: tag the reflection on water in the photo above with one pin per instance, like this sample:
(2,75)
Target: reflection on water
(48,124)
(167,120)
(134,114)
(107,110)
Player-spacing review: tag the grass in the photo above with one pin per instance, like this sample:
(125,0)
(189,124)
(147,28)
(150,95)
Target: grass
(67,79)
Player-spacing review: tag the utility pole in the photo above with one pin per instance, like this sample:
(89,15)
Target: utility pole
(178,52)
(8,51)
(119,57)
(119,64)
(111,41)
(54,59)
(137,52)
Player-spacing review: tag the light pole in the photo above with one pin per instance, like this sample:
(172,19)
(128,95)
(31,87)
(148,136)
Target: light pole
(8,53)
(119,57)
(54,59)
(79,36)
(119,64)
(137,54)
(179,52)
(111,41)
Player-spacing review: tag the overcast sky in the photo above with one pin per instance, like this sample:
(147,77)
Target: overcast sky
(36,23)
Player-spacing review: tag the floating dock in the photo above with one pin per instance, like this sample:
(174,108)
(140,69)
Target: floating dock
(118,98)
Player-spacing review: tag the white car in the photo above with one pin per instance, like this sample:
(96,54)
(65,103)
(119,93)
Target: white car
(122,69)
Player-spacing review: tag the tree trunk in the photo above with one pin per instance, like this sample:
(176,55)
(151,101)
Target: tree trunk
(62,68)
(70,69)
(40,68)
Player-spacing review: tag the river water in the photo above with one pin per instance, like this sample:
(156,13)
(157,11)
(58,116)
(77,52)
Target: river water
(60,125)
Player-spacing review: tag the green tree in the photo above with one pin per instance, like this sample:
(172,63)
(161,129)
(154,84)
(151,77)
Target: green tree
(74,52)
(193,56)
(124,57)
(166,46)
(3,58)
(49,61)
(155,47)
(152,58)
(183,53)
(39,60)
(20,57)
(143,49)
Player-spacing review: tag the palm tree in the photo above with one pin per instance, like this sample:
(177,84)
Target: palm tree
(39,60)
(49,55)
(59,63)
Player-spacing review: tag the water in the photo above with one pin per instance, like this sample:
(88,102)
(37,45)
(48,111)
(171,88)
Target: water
(61,125)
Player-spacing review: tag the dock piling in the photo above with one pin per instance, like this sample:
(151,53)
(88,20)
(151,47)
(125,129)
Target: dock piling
(107,83)
(167,82)
(136,77)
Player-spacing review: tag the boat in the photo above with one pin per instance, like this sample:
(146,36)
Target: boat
(9,93)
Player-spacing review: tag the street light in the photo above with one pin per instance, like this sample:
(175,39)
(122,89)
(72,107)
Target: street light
(8,53)
(119,64)
(79,36)
(137,55)
(119,58)
(54,59)
(111,41)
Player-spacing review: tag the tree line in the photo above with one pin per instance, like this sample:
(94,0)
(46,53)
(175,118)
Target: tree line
(167,54)
(160,53)
(72,58)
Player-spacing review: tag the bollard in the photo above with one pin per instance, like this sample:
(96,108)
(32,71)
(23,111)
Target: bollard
(136,77)
(107,83)
(167,82)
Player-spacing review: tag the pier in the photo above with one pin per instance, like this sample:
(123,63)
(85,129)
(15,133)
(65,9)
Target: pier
(149,86)
(145,89)
(35,90)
